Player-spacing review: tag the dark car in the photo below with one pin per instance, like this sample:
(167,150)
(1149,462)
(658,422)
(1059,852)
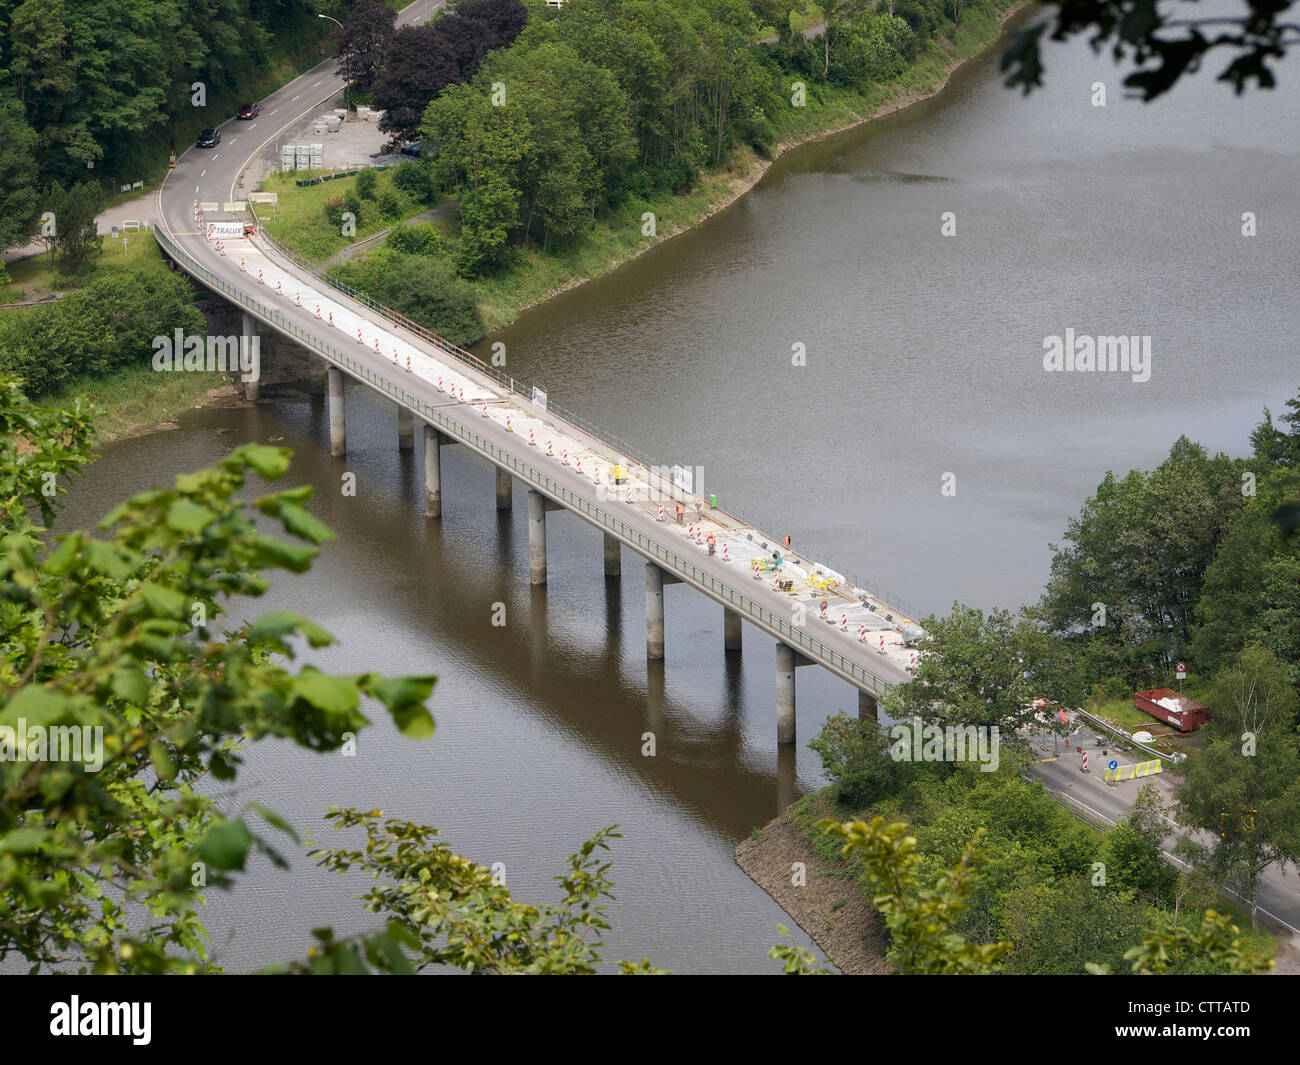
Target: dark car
(247,111)
(411,149)
(208,138)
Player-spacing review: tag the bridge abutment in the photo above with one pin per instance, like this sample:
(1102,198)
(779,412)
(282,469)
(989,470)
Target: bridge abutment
(613,556)
(505,484)
(405,429)
(654,611)
(784,694)
(338,432)
(432,472)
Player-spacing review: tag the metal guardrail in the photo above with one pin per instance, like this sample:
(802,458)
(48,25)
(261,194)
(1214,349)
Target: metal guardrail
(1172,759)
(706,582)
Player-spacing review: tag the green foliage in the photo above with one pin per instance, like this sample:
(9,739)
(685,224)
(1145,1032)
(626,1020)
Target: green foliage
(1133,854)
(920,919)
(416,180)
(419,239)
(18,191)
(1141,548)
(795,960)
(422,288)
(114,632)
(107,324)
(1244,787)
(978,670)
(1215,941)
(365,184)
(449,911)
(855,759)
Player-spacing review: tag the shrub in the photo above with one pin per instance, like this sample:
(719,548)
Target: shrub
(334,209)
(419,239)
(392,205)
(366,182)
(415,180)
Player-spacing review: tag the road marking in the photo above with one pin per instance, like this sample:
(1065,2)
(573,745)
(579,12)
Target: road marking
(292,98)
(203,174)
(272,112)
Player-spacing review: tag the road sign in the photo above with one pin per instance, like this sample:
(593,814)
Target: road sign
(1112,764)
(1180,671)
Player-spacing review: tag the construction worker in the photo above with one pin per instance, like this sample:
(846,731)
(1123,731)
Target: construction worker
(823,606)
(713,544)
(680,511)
(787,540)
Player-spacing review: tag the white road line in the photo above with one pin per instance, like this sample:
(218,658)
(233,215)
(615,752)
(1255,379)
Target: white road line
(203,174)
(273,112)
(292,98)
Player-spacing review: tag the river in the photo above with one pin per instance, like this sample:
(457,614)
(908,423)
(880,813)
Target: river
(924,357)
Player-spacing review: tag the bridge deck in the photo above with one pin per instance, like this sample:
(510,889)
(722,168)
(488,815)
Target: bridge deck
(562,461)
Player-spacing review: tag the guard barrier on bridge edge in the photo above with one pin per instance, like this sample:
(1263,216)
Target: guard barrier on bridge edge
(705,582)
(509,383)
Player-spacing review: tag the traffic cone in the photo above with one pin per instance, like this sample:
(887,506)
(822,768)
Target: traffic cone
(725,557)
(844,623)
(359,340)
(462,395)
(376,345)
(661,513)
(549,451)
(629,493)
(509,427)
(408,362)
(882,643)
(297,299)
(564,459)
(579,465)
(531,441)
(259,278)
(484,410)
(241,265)
(318,310)
(279,288)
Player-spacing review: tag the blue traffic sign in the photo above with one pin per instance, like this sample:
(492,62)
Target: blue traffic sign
(1112,764)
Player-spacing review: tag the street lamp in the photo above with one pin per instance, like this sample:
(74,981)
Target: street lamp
(345,84)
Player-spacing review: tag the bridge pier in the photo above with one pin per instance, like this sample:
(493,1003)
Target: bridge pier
(505,496)
(432,472)
(405,430)
(787,661)
(655,579)
(536,537)
(338,433)
(613,556)
(730,630)
(252,387)
(867,706)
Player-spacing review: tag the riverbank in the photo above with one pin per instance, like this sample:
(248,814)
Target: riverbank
(616,239)
(830,905)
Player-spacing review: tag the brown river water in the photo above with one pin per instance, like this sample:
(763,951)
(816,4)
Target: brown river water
(924,357)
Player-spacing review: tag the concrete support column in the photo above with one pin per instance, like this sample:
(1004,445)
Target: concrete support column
(405,430)
(505,497)
(654,611)
(784,693)
(867,706)
(249,343)
(432,473)
(338,433)
(613,556)
(730,630)
(536,537)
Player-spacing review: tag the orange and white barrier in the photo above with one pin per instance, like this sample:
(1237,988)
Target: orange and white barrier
(376,345)
(509,428)
(725,557)
(661,513)
(531,441)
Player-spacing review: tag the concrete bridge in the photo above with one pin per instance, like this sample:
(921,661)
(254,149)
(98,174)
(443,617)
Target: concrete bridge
(458,400)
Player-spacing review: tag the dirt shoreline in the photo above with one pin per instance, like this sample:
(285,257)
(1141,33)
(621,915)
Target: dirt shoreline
(829,906)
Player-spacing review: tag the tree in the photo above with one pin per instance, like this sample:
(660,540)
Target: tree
(419,65)
(449,911)
(122,697)
(973,670)
(1133,850)
(1244,787)
(363,42)
(1161,46)
(77,235)
(18,194)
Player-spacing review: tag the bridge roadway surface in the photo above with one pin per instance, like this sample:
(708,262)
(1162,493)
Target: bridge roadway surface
(848,641)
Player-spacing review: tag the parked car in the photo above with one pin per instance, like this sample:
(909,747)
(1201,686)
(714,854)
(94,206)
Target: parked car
(248,111)
(208,138)
(411,149)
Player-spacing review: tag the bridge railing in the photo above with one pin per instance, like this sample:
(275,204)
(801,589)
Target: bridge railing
(741,603)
